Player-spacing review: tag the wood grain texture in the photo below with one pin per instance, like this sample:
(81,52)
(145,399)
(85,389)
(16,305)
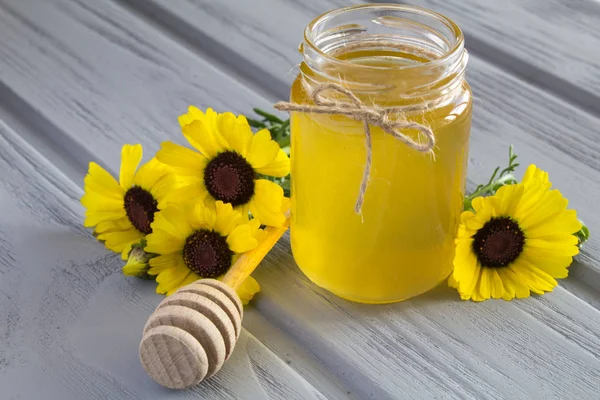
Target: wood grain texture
(86,77)
(70,323)
(437,346)
(202,329)
(551,43)
(169,355)
(211,310)
(173,357)
(469,350)
(224,302)
(89,69)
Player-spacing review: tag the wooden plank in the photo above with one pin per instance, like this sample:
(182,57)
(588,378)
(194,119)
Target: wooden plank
(70,323)
(301,359)
(435,345)
(552,43)
(84,73)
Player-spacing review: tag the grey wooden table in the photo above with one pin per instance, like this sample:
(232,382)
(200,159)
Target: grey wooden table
(78,78)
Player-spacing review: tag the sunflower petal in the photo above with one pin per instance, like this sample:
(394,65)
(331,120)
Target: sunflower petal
(131,155)
(466,269)
(486,210)
(120,242)
(173,221)
(521,287)
(149,173)
(542,205)
(192,277)
(553,264)
(201,217)
(163,262)
(257,233)
(192,190)
(235,131)
(93,217)
(262,149)
(247,290)
(99,181)
(279,167)
(533,172)
(199,135)
(162,242)
(226,218)
(565,222)
(478,203)
(497,287)
(113,225)
(558,248)
(534,193)
(485,283)
(241,239)
(93,201)
(193,114)
(509,292)
(266,203)
(172,278)
(212,122)
(163,187)
(181,158)
(539,281)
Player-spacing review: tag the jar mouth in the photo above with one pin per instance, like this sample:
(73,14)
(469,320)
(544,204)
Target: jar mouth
(448,46)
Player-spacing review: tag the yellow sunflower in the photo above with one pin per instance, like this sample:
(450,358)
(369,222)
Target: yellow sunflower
(121,213)
(194,242)
(227,165)
(516,242)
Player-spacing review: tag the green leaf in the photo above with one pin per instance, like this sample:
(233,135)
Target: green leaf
(256,124)
(267,116)
(284,141)
(583,235)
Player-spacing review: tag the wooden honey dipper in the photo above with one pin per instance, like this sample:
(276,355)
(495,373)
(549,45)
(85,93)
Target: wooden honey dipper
(194,331)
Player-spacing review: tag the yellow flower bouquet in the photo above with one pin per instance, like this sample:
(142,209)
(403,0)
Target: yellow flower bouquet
(188,214)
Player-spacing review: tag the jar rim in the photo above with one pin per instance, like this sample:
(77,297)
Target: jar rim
(455,50)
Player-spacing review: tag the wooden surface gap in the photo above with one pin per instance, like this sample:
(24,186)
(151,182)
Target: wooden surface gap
(528,72)
(534,75)
(209,49)
(70,157)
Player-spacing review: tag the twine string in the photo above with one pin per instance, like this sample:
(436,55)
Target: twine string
(370,115)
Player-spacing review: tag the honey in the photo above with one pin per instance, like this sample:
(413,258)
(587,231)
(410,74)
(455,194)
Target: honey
(402,244)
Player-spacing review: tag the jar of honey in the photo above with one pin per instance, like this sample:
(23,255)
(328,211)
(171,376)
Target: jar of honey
(401,242)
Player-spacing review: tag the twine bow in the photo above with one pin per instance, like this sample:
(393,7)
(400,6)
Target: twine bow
(369,115)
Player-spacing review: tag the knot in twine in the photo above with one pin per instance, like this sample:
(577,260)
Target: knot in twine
(369,115)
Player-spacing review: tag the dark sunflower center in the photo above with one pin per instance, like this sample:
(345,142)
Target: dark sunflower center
(140,207)
(207,253)
(230,178)
(499,242)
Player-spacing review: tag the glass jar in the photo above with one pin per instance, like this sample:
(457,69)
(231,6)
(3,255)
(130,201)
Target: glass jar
(402,243)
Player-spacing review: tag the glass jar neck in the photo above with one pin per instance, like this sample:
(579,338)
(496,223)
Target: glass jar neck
(396,53)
